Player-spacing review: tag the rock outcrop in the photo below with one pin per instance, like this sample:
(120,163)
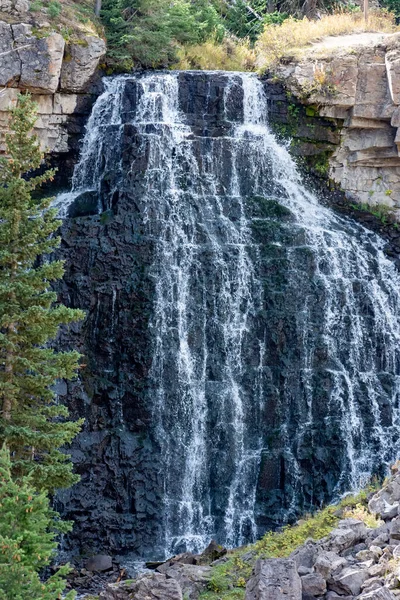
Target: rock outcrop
(354,83)
(61,75)
(275,579)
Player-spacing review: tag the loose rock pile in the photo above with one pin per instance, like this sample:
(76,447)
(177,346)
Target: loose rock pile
(353,562)
(183,576)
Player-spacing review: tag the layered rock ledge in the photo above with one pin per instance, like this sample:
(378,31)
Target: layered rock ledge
(353,82)
(62,75)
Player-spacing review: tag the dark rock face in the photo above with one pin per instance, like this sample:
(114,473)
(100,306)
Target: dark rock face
(259,359)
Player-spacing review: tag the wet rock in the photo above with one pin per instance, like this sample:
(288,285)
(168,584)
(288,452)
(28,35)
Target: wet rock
(213,552)
(274,579)
(147,587)
(100,562)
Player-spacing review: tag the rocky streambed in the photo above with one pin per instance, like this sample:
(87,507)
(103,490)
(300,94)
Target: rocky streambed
(353,562)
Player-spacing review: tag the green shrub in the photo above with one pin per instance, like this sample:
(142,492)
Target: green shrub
(54,9)
(36,6)
(148,33)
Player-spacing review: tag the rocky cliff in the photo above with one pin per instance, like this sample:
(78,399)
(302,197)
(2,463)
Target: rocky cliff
(57,64)
(351,84)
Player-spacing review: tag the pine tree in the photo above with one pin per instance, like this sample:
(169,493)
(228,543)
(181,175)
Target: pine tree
(27,540)
(32,424)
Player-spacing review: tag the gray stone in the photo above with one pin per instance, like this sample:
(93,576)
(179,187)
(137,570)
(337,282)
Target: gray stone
(305,555)
(22,6)
(395,529)
(313,584)
(274,579)
(41,59)
(10,64)
(83,60)
(100,562)
(193,579)
(329,562)
(303,570)
(152,586)
(333,595)
(347,534)
(385,503)
(381,594)
(348,581)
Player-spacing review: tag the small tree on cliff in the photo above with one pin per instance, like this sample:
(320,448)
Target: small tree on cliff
(32,424)
(27,540)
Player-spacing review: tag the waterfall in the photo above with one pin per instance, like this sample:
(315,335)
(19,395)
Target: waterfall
(275,333)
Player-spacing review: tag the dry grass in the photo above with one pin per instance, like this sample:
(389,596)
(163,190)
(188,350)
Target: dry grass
(230,55)
(361,513)
(278,41)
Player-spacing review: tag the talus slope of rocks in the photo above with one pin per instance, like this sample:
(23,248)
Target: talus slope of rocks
(354,562)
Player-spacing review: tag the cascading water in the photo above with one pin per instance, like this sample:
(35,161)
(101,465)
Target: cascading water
(274,378)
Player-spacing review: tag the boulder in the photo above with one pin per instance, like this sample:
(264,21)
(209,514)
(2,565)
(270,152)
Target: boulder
(100,562)
(347,534)
(395,529)
(83,60)
(348,581)
(329,562)
(193,579)
(381,594)
(213,552)
(385,503)
(152,586)
(274,579)
(305,555)
(313,584)
(40,58)
(10,64)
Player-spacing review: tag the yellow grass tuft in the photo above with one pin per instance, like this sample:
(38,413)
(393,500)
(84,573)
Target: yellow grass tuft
(230,55)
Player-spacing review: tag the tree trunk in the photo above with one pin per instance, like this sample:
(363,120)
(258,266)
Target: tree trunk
(366,10)
(97,8)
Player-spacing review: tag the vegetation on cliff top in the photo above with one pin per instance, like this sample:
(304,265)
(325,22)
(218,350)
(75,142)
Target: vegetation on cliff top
(217,34)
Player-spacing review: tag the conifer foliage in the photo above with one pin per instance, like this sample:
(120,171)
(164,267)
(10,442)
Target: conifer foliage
(27,540)
(32,424)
